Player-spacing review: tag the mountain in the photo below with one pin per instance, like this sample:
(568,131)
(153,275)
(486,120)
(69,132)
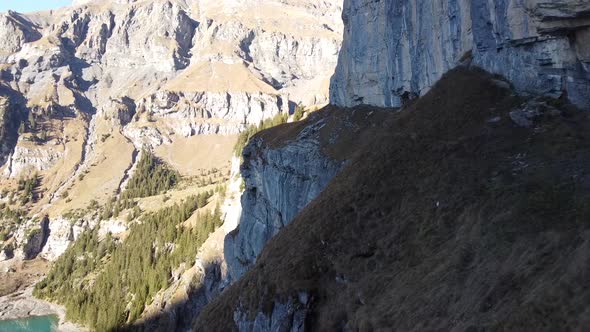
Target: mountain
(175,163)
(449,216)
(449,213)
(90,85)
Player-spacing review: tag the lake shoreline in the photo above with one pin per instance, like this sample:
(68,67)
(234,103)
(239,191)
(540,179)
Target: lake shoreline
(22,305)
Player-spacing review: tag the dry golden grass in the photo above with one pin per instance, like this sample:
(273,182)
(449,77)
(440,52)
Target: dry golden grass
(218,77)
(105,172)
(26,273)
(67,133)
(189,155)
(268,15)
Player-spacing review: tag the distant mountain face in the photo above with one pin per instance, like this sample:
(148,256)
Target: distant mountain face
(84,88)
(155,71)
(109,47)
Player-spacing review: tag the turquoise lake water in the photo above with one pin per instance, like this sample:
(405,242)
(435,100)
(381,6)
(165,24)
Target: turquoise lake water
(32,324)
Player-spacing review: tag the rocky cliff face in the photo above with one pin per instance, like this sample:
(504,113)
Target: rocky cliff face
(64,231)
(33,239)
(30,159)
(190,113)
(201,68)
(15,31)
(9,122)
(279,183)
(284,169)
(396,50)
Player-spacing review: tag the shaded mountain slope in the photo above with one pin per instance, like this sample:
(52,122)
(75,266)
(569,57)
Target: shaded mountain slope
(450,217)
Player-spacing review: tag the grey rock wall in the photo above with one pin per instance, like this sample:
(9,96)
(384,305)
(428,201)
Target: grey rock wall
(35,239)
(187,113)
(279,182)
(9,122)
(394,50)
(15,31)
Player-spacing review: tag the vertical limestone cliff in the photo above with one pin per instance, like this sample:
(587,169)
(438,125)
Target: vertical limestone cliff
(394,51)
(9,123)
(279,182)
(284,169)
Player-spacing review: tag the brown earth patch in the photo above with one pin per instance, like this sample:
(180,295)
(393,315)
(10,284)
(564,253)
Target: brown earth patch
(24,274)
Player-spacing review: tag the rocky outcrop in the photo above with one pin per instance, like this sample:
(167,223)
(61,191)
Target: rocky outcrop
(395,50)
(51,237)
(284,169)
(279,183)
(238,107)
(232,205)
(205,113)
(63,232)
(30,159)
(15,31)
(6,252)
(34,239)
(119,111)
(60,237)
(9,122)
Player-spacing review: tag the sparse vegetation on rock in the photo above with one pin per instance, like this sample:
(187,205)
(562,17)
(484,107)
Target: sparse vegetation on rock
(252,130)
(27,187)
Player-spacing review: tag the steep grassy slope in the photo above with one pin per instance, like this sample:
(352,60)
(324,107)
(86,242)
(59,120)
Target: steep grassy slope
(450,218)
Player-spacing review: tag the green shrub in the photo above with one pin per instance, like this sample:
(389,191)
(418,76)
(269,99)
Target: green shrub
(150,178)
(27,187)
(299,112)
(247,134)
